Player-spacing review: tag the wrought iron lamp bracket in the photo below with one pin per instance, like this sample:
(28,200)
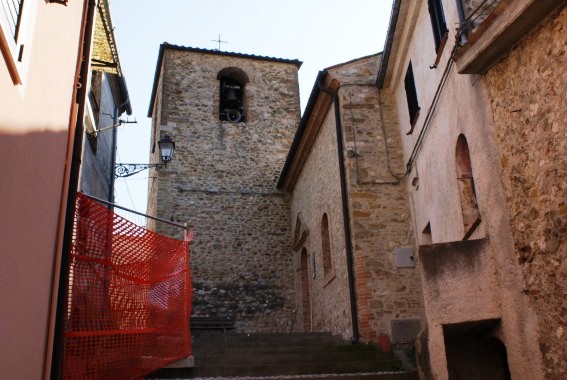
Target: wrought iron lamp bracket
(126,170)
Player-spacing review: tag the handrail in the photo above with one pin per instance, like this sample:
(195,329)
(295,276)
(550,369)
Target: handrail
(135,212)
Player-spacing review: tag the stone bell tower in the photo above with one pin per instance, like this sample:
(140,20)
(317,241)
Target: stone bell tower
(232,117)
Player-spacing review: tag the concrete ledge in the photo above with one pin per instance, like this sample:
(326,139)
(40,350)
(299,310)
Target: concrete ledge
(188,362)
(450,260)
(500,32)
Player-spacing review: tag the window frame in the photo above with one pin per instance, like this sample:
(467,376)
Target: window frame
(238,89)
(438,24)
(411,97)
(326,247)
(16,46)
(465,184)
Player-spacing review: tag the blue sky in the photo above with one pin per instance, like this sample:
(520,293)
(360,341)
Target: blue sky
(321,33)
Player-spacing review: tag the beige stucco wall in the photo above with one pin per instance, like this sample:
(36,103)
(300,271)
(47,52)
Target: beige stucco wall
(222,183)
(34,122)
(527,93)
(495,290)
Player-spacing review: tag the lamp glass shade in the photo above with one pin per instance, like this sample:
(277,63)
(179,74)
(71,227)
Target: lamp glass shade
(166,148)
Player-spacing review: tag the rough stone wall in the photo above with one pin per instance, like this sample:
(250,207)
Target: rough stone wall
(378,202)
(243,156)
(379,213)
(462,108)
(318,192)
(222,183)
(527,91)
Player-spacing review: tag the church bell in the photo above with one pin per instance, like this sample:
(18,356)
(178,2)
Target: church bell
(231,99)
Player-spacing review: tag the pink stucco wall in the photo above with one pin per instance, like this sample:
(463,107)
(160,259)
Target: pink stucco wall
(34,127)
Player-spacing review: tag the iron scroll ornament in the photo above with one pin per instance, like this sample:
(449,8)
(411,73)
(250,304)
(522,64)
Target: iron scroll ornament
(126,170)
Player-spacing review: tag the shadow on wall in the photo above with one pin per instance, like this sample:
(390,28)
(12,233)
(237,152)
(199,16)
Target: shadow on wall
(32,169)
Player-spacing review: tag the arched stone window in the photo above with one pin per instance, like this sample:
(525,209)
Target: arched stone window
(232,99)
(326,245)
(467,192)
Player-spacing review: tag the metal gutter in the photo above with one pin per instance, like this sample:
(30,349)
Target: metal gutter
(389,41)
(75,146)
(118,109)
(156,79)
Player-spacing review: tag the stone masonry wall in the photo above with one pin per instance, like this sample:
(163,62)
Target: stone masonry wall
(379,207)
(222,183)
(318,192)
(223,155)
(527,91)
(380,218)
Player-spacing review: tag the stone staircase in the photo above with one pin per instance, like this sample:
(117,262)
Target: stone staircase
(285,356)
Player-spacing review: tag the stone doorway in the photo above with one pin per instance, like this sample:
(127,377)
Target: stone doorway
(305,291)
(474,352)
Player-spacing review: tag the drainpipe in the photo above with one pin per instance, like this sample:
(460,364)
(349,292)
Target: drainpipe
(116,124)
(346,212)
(75,147)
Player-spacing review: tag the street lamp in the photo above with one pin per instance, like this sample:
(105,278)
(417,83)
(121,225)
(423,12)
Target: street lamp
(166,148)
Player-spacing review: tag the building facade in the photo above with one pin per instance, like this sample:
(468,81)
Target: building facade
(526,89)
(46,57)
(232,118)
(423,190)
(37,80)
(107,100)
(453,94)
(353,237)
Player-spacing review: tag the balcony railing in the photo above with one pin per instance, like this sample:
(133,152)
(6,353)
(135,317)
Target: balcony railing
(475,12)
(492,27)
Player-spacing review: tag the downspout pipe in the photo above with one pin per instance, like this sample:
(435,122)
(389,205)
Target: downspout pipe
(346,212)
(80,100)
(118,109)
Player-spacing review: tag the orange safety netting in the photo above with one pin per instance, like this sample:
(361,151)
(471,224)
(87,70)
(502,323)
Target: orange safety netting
(129,298)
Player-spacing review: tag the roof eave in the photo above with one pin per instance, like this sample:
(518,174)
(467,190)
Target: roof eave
(389,42)
(301,128)
(156,79)
(166,45)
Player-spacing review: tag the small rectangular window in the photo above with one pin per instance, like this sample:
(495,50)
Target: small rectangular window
(12,14)
(17,20)
(437,22)
(411,95)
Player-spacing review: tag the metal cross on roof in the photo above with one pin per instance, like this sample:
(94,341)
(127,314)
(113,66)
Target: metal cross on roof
(219,41)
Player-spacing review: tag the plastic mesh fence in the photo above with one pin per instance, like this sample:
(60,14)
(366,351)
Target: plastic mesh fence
(129,298)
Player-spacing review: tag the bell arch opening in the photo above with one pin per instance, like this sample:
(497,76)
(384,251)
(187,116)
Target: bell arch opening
(232,94)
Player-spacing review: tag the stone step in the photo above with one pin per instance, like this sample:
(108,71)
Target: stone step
(261,369)
(291,356)
(208,349)
(345,376)
(285,356)
(265,339)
